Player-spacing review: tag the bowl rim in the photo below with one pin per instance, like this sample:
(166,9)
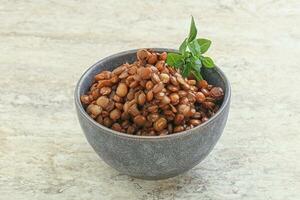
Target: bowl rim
(80,108)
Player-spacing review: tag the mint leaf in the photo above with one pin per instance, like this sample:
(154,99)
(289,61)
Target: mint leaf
(174,59)
(190,60)
(183,46)
(194,47)
(187,54)
(193,31)
(196,69)
(197,65)
(197,75)
(207,62)
(187,69)
(204,44)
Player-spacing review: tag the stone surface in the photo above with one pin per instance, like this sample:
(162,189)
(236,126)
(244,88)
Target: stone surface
(46,45)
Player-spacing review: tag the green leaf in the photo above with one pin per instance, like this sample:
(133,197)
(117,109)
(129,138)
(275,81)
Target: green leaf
(207,62)
(187,54)
(194,47)
(183,46)
(179,63)
(197,65)
(197,75)
(174,59)
(187,70)
(196,69)
(204,44)
(193,31)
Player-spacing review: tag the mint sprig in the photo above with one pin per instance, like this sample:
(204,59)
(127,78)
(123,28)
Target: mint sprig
(190,59)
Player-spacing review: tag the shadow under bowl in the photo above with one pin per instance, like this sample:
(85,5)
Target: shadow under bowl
(151,157)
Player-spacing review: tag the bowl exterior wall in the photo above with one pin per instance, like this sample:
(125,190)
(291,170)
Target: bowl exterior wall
(154,158)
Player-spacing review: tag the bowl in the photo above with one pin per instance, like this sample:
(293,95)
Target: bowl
(151,157)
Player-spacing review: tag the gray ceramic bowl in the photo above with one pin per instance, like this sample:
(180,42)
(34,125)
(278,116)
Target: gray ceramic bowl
(155,157)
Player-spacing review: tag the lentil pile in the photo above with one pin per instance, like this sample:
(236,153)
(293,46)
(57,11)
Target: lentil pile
(150,98)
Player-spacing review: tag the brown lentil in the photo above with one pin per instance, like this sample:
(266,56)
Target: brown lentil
(125,124)
(142,99)
(163,56)
(149,85)
(191,82)
(158,87)
(133,110)
(216,92)
(172,88)
(94,110)
(182,93)
(123,75)
(132,70)
(155,78)
(152,59)
(143,54)
(110,106)
(105,90)
(160,124)
(178,129)
(203,84)
(145,73)
(139,120)
(99,119)
(153,108)
(104,113)
(179,118)
(115,114)
(205,92)
(148,124)
(114,79)
(95,93)
(107,122)
(174,98)
(116,98)
(200,97)
(195,122)
(103,75)
(119,106)
(197,115)
(149,95)
(122,90)
(102,101)
(119,70)
(134,84)
(173,80)
(165,100)
(130,130)
(184,109)
(160,65)
(164,77)
(208,105)
(103,83)
(117,127)
(85,99)
(153,117)
(184,100)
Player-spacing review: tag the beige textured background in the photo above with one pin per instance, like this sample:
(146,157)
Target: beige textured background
(46,46)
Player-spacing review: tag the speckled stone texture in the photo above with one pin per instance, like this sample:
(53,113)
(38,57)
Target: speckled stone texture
(46,46)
